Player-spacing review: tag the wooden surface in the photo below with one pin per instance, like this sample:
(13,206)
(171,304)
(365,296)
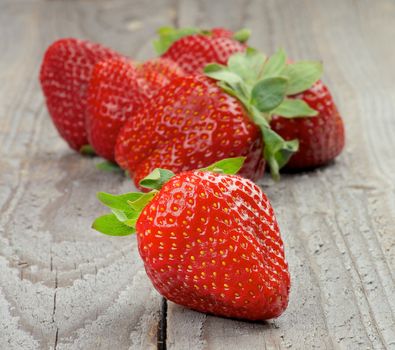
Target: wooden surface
(63,286)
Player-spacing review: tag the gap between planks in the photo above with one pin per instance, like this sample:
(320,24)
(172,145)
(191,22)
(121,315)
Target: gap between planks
(162,326)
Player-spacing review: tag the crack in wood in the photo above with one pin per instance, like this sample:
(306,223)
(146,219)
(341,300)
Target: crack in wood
(56,338)
(54,307)
(162,326)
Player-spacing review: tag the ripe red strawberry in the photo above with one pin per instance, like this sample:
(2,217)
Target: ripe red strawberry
(116,91)
(113,96)
(305,124)
(193,48)
(209,242)
(157,73)
(321,138)
(194,52)
(64,77)
(189,124)
(222,32)
(195,121)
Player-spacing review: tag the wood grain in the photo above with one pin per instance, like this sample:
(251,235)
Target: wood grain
(337,223)
(62,286)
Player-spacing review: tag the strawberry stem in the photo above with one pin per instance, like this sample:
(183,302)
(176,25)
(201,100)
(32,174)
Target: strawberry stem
(108,166)
(262,85)
(87,150)
(126,208)
(242,35)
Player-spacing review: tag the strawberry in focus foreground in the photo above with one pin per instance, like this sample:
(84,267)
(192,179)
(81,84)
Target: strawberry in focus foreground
(209,240)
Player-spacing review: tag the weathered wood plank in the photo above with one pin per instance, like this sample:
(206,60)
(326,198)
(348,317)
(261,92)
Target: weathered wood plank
(337,223)
(62,285)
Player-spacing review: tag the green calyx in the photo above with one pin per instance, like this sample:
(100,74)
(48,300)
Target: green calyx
(87,150)
(126,208)
(111,167)
(108,166)
(242,35)
(168,35)
(229,166)
(262,84)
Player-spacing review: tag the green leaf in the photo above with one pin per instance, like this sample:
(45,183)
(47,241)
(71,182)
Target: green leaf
(157,178)
(264,97)
(277,151)
(120,201)
(110,225)
(302,75)
(132,221)
(221,73)
(87,150)
(242,35)
(256,59)
(108,166)
(275,64)
(230,90)
(128,218)
(214,67)
(294,108)
(268,93)
(229,166)
(168,35)
(247,65)
(120,215)
(126,209)
(139,204)
(258,117)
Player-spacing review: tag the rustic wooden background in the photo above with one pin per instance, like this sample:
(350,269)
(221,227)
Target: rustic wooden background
(63,286)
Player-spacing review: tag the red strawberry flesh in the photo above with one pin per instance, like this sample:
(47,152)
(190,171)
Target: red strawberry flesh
(189,124)
(114,96)
(321,138)
(157,73)
(194,52)
(64,76)
(211,242)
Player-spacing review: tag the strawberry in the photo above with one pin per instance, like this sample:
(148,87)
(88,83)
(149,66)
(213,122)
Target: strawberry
(194,121)
(189,124)
(321,138)
(194,52)
(306,124)
(113,96)
(64,76)
(157,73)
(209,241)
(116,91)
(193,49)
(222,32)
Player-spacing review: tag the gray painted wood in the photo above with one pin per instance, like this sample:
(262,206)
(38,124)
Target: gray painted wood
(63,286)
